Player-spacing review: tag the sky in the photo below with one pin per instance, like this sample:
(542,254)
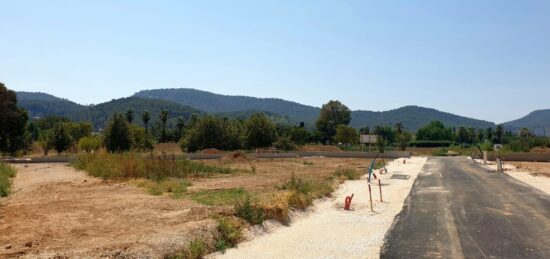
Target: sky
(483,59)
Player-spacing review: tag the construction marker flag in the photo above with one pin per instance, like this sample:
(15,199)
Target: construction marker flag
(371,167)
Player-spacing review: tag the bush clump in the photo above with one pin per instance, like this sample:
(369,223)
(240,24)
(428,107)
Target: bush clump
(6,173)
(253,214)
(229,234)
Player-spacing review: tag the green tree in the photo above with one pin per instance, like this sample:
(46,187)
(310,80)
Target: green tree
(434,131)
(332,114)
(61,137)
(13,122)
(212,132)
(118,137)
(386,136)
(90,143)
(399,128)
(499,133)
(130,115)
(403,139)
(489,134)
(145,117)
(79,130)
(462,135)
(299,135)
(164,120)
(180,124)
(45,141)
(140,139)
(346,135)
(259,131)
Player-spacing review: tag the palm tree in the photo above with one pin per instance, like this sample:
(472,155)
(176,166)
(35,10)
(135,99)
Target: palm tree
(145,117)
(130,115)
(163,119)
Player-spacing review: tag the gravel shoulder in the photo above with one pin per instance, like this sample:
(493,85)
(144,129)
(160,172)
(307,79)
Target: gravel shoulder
(327,231)
(534,174)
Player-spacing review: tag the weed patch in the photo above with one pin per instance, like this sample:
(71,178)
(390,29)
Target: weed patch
(229,234)
(196,250)
(347,174)
(253,214)
(174,186)
(133,165)
(225,197)
(6,173)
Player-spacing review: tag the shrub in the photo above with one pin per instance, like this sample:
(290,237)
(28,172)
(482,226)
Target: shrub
(285,143)
(253,214)
(6,173)
(195,250)
(229,234)
(91,143)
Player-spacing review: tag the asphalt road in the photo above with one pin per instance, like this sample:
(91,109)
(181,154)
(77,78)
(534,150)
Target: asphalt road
(457,209)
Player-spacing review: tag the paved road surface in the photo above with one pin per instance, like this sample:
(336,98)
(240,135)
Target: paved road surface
(460,210)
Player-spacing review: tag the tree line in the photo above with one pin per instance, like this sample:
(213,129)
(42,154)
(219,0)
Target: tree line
(131,131)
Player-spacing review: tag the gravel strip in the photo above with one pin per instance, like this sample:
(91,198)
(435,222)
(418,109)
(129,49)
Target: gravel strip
(330,232)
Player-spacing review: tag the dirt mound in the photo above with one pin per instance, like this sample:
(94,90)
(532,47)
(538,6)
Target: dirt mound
(211,151)
(320,148)
(236,156)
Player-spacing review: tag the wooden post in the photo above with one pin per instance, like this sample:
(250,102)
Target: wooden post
(370,197)
(380,186)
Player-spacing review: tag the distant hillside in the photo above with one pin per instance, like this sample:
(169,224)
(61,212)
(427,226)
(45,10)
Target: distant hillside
(40,105)
(413,118)
(184,102)
(242,115)
(535,121)
(217,103)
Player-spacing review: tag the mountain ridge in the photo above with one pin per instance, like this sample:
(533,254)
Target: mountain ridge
(187,101)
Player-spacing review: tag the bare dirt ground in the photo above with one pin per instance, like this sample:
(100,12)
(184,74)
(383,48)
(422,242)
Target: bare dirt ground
(266,174)
(330,232)
(57,211)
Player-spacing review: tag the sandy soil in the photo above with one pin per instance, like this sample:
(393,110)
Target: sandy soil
(57,211)
(535,174)
(330,232)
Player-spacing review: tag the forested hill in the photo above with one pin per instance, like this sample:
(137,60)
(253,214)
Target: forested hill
(40,105)
(536,122)
(413,118)
(217,103)
(184,102)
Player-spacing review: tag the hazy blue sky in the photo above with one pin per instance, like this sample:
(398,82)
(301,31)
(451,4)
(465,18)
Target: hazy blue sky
(484,59)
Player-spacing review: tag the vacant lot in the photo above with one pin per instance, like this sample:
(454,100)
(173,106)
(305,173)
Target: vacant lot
(56,210)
